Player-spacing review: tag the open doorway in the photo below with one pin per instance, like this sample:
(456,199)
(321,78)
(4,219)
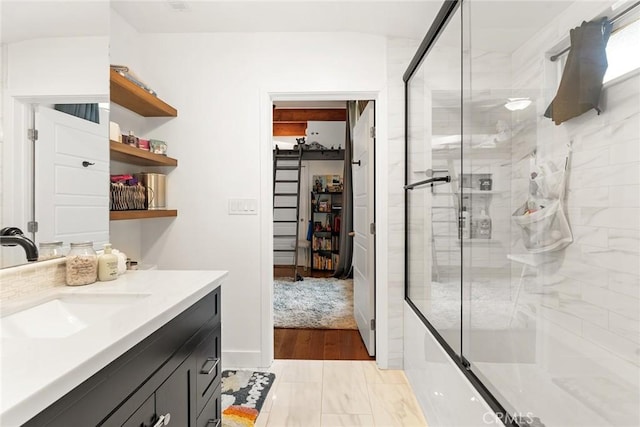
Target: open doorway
(323,238)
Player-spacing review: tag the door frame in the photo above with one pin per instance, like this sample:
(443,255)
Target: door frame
(380,185)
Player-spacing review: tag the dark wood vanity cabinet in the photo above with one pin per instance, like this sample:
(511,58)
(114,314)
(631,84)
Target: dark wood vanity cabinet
(171,378)
(168,404)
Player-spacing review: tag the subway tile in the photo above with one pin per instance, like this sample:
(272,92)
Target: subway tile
(612,301)
(612,217)
(624,174)
(588,197)
(620,346)
(567,321)
(624,130)
(584,272)
(624,196)
(592,236)
(585,159)
(625,152)
(612,259)
(588,312)
(621,104)
(624,283)
(624,240)
(625,326)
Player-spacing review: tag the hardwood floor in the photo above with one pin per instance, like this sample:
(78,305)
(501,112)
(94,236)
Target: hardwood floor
(287,271)
(319,344)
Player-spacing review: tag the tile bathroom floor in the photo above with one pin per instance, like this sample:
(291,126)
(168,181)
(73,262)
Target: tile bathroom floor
(328,393)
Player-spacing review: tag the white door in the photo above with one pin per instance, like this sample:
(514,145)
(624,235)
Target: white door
(72,200)
(363,217)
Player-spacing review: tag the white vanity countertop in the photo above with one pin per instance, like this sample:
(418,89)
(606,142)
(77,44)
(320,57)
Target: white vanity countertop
(35,372)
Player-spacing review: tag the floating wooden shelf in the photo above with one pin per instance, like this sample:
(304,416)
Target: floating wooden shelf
(127,154)
(132,97)
(121,215)
(307,154)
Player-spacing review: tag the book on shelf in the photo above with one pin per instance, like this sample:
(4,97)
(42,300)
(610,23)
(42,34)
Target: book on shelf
(322,244)
(324,206)
(322,262)
(327,183)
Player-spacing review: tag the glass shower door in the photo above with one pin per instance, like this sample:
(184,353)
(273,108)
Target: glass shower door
(432,197)
(551,329)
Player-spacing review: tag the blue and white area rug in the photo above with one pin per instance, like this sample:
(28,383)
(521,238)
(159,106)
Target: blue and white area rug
(243,394)
(313,303)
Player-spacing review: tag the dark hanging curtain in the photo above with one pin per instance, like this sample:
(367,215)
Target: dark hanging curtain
(89,112)
(344,267)
(586,65)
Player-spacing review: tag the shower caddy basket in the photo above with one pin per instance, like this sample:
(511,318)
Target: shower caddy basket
(546,228)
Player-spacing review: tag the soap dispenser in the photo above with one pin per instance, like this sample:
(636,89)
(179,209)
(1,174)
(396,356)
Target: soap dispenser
(484,225)
(107,265)
(465,223)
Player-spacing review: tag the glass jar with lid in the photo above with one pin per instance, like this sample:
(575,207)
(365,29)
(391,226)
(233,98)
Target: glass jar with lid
(50,250)
(82,264)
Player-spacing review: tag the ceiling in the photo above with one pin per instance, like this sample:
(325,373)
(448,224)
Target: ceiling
(31,19)
(499,25)
(387,18)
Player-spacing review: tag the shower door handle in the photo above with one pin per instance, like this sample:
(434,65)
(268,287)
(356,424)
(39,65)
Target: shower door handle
(428,181)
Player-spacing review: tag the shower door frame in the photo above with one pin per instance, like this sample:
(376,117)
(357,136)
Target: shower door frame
(442,19)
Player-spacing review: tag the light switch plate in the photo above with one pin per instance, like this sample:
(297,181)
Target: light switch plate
(243,207)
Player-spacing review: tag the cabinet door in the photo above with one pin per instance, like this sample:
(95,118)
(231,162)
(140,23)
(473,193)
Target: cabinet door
(173,397)
(211,415)
(144,416)
(207,357)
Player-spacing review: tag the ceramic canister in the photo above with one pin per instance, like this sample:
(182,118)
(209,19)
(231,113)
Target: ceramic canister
(156,185)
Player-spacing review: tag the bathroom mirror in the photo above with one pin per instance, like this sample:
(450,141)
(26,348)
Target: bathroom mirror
(53,52)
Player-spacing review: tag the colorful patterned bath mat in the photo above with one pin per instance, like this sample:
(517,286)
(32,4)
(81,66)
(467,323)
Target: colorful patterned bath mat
(243,394)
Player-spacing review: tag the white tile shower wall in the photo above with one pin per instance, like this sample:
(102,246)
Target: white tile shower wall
(399,54)
(28,279)
(3,90)
(594,292)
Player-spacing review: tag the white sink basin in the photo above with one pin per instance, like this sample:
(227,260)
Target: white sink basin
(63,315)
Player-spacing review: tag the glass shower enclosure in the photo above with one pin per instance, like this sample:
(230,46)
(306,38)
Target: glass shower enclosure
(523,236)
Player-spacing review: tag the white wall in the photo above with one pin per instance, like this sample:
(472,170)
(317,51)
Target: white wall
(125,49)
(219,84)
(69,66)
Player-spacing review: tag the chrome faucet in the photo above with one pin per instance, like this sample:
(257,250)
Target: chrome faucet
(11,236)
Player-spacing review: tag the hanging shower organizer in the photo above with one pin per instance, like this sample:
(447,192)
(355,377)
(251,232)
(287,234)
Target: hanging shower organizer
(542,218)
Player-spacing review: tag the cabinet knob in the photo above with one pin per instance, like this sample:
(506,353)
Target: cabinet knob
(164,420)
(212,362)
